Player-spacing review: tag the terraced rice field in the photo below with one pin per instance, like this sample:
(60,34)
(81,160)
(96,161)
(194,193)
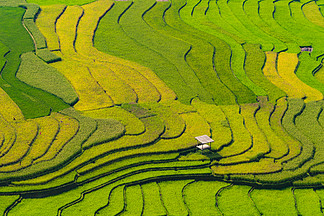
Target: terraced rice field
(101,102)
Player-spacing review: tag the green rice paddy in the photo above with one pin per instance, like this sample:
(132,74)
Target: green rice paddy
(101,101)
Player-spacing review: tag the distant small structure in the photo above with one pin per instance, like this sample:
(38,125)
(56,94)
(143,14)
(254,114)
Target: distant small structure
(203,141)
(306,48)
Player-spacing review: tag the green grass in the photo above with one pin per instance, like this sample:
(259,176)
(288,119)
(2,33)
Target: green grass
(263,166)
(154,128)
(270,71)
(104,185)
(129,72)
(232,12)
(197,58)
(287,64)
(138,110)
(267,42)
(312,13)
(282,15)
(49,79)
(48,128)
(143,80)
(86,206)
(85,85)
(31,10)
(310,127)
(68,127)
(85,163)
(292,18)
(69,151)
(319,75)
(234,200)
(9,134)
(48,205)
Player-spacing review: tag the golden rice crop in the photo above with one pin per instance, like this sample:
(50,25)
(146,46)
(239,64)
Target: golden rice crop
(270,71)
(287,63)
(68,127)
